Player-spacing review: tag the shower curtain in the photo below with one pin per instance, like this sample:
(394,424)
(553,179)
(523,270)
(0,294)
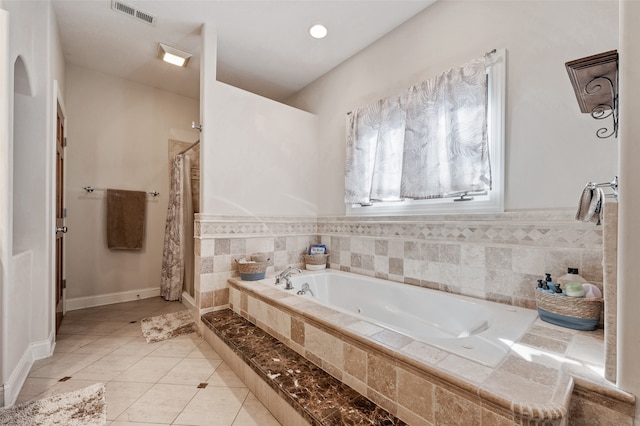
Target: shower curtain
(177,256)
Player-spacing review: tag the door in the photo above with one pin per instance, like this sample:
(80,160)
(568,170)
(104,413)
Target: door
(61,229)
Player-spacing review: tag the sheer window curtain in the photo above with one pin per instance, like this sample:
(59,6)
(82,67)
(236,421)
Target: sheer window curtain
(429,141)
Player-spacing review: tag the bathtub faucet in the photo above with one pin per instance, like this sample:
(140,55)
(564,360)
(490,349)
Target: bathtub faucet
(284,277)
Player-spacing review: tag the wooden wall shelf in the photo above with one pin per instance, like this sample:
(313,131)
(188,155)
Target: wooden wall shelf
(595,82)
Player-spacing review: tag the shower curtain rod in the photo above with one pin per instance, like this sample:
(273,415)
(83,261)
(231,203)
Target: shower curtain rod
(190,147)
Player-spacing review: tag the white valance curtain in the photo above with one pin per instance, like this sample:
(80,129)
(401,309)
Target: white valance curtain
(429,141)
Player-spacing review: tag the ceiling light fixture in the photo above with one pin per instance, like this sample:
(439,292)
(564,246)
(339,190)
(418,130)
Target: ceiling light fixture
(318,31)
(173,56)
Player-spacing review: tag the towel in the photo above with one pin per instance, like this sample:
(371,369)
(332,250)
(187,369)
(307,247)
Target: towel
(590,206)
(125,219)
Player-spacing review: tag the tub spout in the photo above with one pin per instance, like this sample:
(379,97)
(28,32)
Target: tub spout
(305,288)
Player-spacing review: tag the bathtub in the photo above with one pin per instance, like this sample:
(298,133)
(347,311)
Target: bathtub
(476,329)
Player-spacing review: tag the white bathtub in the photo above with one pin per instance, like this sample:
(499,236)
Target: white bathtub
(472,328)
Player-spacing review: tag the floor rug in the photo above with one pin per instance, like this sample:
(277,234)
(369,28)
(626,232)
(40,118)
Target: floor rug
(163,327)
(82,407)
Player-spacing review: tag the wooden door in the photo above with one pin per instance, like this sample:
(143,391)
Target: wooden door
(61,229)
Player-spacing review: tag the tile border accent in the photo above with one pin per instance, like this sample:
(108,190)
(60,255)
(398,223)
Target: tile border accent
(552,229)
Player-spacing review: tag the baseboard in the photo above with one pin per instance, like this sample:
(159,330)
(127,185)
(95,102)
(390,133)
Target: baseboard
(75,303)
(13,386)
(44,348)
(188,301)
(36,350)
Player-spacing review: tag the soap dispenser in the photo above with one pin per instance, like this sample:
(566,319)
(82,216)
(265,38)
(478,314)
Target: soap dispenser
(551,288)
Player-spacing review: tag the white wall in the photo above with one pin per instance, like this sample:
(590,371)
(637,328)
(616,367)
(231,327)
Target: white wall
(551,150)
(27,292)
(628,369)
(5,243)
(118,135)
(261,157)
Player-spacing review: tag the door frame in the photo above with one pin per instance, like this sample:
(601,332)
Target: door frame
(57,99)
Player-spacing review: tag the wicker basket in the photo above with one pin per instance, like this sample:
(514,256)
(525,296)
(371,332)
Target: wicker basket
(315,262)
(252,271)
(579,313)
(315,259)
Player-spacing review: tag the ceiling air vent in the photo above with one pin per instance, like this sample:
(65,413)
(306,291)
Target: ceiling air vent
(127,9)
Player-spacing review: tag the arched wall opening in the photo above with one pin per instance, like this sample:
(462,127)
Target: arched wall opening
(23,151)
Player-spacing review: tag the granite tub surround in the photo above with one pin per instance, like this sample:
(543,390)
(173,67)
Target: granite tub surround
(320,398)
(552,375)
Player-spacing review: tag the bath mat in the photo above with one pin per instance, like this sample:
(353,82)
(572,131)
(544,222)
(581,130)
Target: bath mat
(82,407)
(163,327)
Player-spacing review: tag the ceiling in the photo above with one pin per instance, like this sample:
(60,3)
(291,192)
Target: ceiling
(263,46)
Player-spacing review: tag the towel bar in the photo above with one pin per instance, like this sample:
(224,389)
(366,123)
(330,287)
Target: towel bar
(90,189)
(613,185)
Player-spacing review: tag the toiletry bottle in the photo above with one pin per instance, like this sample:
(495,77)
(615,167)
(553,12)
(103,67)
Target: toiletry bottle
(551,288)
(571,277)
(558,290)
(541,285)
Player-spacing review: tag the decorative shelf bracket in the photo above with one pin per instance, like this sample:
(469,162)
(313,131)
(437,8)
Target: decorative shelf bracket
(595,82)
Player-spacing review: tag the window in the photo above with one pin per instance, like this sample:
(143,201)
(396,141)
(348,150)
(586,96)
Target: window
(480,197)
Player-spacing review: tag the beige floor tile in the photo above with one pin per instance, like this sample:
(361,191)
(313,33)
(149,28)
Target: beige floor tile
(33,387)
(131,329)
(191,371)
(69,327)
(107,367)
(148,370)
(104,345)
(65,364)
(167,309)
(72,342)
(160,404)
(204,350)
(67,386)
(120,396)
(225,377)
(253,413)
(104,327)
(179,346)
(137,347)
(213,406)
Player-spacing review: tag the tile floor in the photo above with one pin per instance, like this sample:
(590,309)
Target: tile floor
(146,383)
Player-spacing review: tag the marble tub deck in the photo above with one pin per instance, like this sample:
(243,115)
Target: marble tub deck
(551,374)
(317,396)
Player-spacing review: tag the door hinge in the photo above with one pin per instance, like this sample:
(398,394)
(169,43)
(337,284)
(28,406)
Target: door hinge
(64,283)
(64,142)
(64,213)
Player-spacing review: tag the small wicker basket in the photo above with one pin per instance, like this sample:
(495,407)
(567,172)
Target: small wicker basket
(579,313)
(252,271)
(315,259)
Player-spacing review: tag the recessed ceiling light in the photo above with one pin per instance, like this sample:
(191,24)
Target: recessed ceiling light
(318,31)
(173,56)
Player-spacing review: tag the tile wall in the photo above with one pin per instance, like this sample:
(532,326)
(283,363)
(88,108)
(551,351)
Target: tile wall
(497,257)
(220,241)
